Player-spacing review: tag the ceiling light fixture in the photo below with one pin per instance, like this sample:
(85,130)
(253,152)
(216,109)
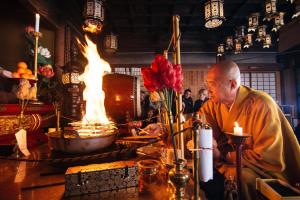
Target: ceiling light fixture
(221,50)
(240,33)
(271,9)
(93,16)
(229,42)
(261,33)
(267,41)
(237,46)
(248,40)
(214,13)
(278,21)
(110,43)
(253,22)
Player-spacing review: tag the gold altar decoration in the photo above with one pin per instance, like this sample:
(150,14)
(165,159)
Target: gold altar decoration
(10,123)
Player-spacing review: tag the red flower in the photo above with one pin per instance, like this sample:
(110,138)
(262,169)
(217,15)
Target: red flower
(147,76)
(179,78)
(46,71)
(162,75)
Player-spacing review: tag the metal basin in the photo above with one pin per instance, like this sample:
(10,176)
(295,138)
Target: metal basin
(70,143)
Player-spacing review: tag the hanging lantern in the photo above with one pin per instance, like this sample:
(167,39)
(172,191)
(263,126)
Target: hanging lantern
(253,21)
(267,41)
(229,43)
(237,46)
(93,16)
(271,10)
(111,43)
(214,13)
(261,33)
(248,40)
(278,21)
(240,33)
(221,50)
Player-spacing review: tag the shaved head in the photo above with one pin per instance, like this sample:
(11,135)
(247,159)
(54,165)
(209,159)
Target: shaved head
(223,81)
(227,70)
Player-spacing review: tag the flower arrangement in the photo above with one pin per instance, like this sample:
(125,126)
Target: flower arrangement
(164,78)
(45,70)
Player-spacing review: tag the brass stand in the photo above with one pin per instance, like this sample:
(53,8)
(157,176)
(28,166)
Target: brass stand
(36,46)
(179,177)
(238,142)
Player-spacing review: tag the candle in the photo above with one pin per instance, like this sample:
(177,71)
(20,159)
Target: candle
(237,130)
(37,22)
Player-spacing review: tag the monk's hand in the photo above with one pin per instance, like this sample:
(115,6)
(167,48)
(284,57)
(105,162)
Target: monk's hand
(190,144)
(216,151)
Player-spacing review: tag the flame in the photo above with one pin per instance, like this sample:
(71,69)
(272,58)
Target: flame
(236,124)
(93,78)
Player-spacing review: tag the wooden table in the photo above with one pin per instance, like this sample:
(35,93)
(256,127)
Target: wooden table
(41,180)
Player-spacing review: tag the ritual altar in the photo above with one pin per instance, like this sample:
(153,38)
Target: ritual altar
(36,117)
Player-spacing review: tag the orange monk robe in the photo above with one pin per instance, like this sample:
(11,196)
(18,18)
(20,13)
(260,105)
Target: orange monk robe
(273,147)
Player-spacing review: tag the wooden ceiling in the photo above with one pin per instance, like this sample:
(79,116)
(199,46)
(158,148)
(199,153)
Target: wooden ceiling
(146,25)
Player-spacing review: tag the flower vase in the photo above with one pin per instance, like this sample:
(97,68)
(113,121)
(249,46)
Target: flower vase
(173,140)
(179,177)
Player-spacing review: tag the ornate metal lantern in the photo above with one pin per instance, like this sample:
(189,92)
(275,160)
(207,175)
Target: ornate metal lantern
(221,50)
(237,46)
(248,40)
(93,16)
(70,78)
(110,43)
(271,10)
(214,13)
(278,21)
(253,22)
(261,33)
(229,43)
(267,41)
(240,33)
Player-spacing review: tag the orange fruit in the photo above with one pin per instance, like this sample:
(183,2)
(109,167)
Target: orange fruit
(15,75)
(32,77)
(26,76)
(28,71)
(22,71)
(22,65)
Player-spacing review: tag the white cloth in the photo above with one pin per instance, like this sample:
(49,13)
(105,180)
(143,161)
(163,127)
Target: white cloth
(21,137)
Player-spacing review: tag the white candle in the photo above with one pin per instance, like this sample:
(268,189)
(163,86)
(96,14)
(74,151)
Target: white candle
(37,22)
(237,130)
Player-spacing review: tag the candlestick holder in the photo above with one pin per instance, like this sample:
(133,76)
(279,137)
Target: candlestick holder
(36,35)
(238,142)
(179,177)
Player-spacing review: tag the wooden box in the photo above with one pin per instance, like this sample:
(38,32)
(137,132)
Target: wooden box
(276,189)
(100,177)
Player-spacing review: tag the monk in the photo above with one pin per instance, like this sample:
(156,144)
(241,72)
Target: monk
(272,151)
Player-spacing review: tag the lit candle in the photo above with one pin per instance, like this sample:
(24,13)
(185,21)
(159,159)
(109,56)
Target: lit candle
(237,130)
(37,22)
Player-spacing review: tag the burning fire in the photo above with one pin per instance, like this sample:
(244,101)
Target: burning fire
(93,93)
